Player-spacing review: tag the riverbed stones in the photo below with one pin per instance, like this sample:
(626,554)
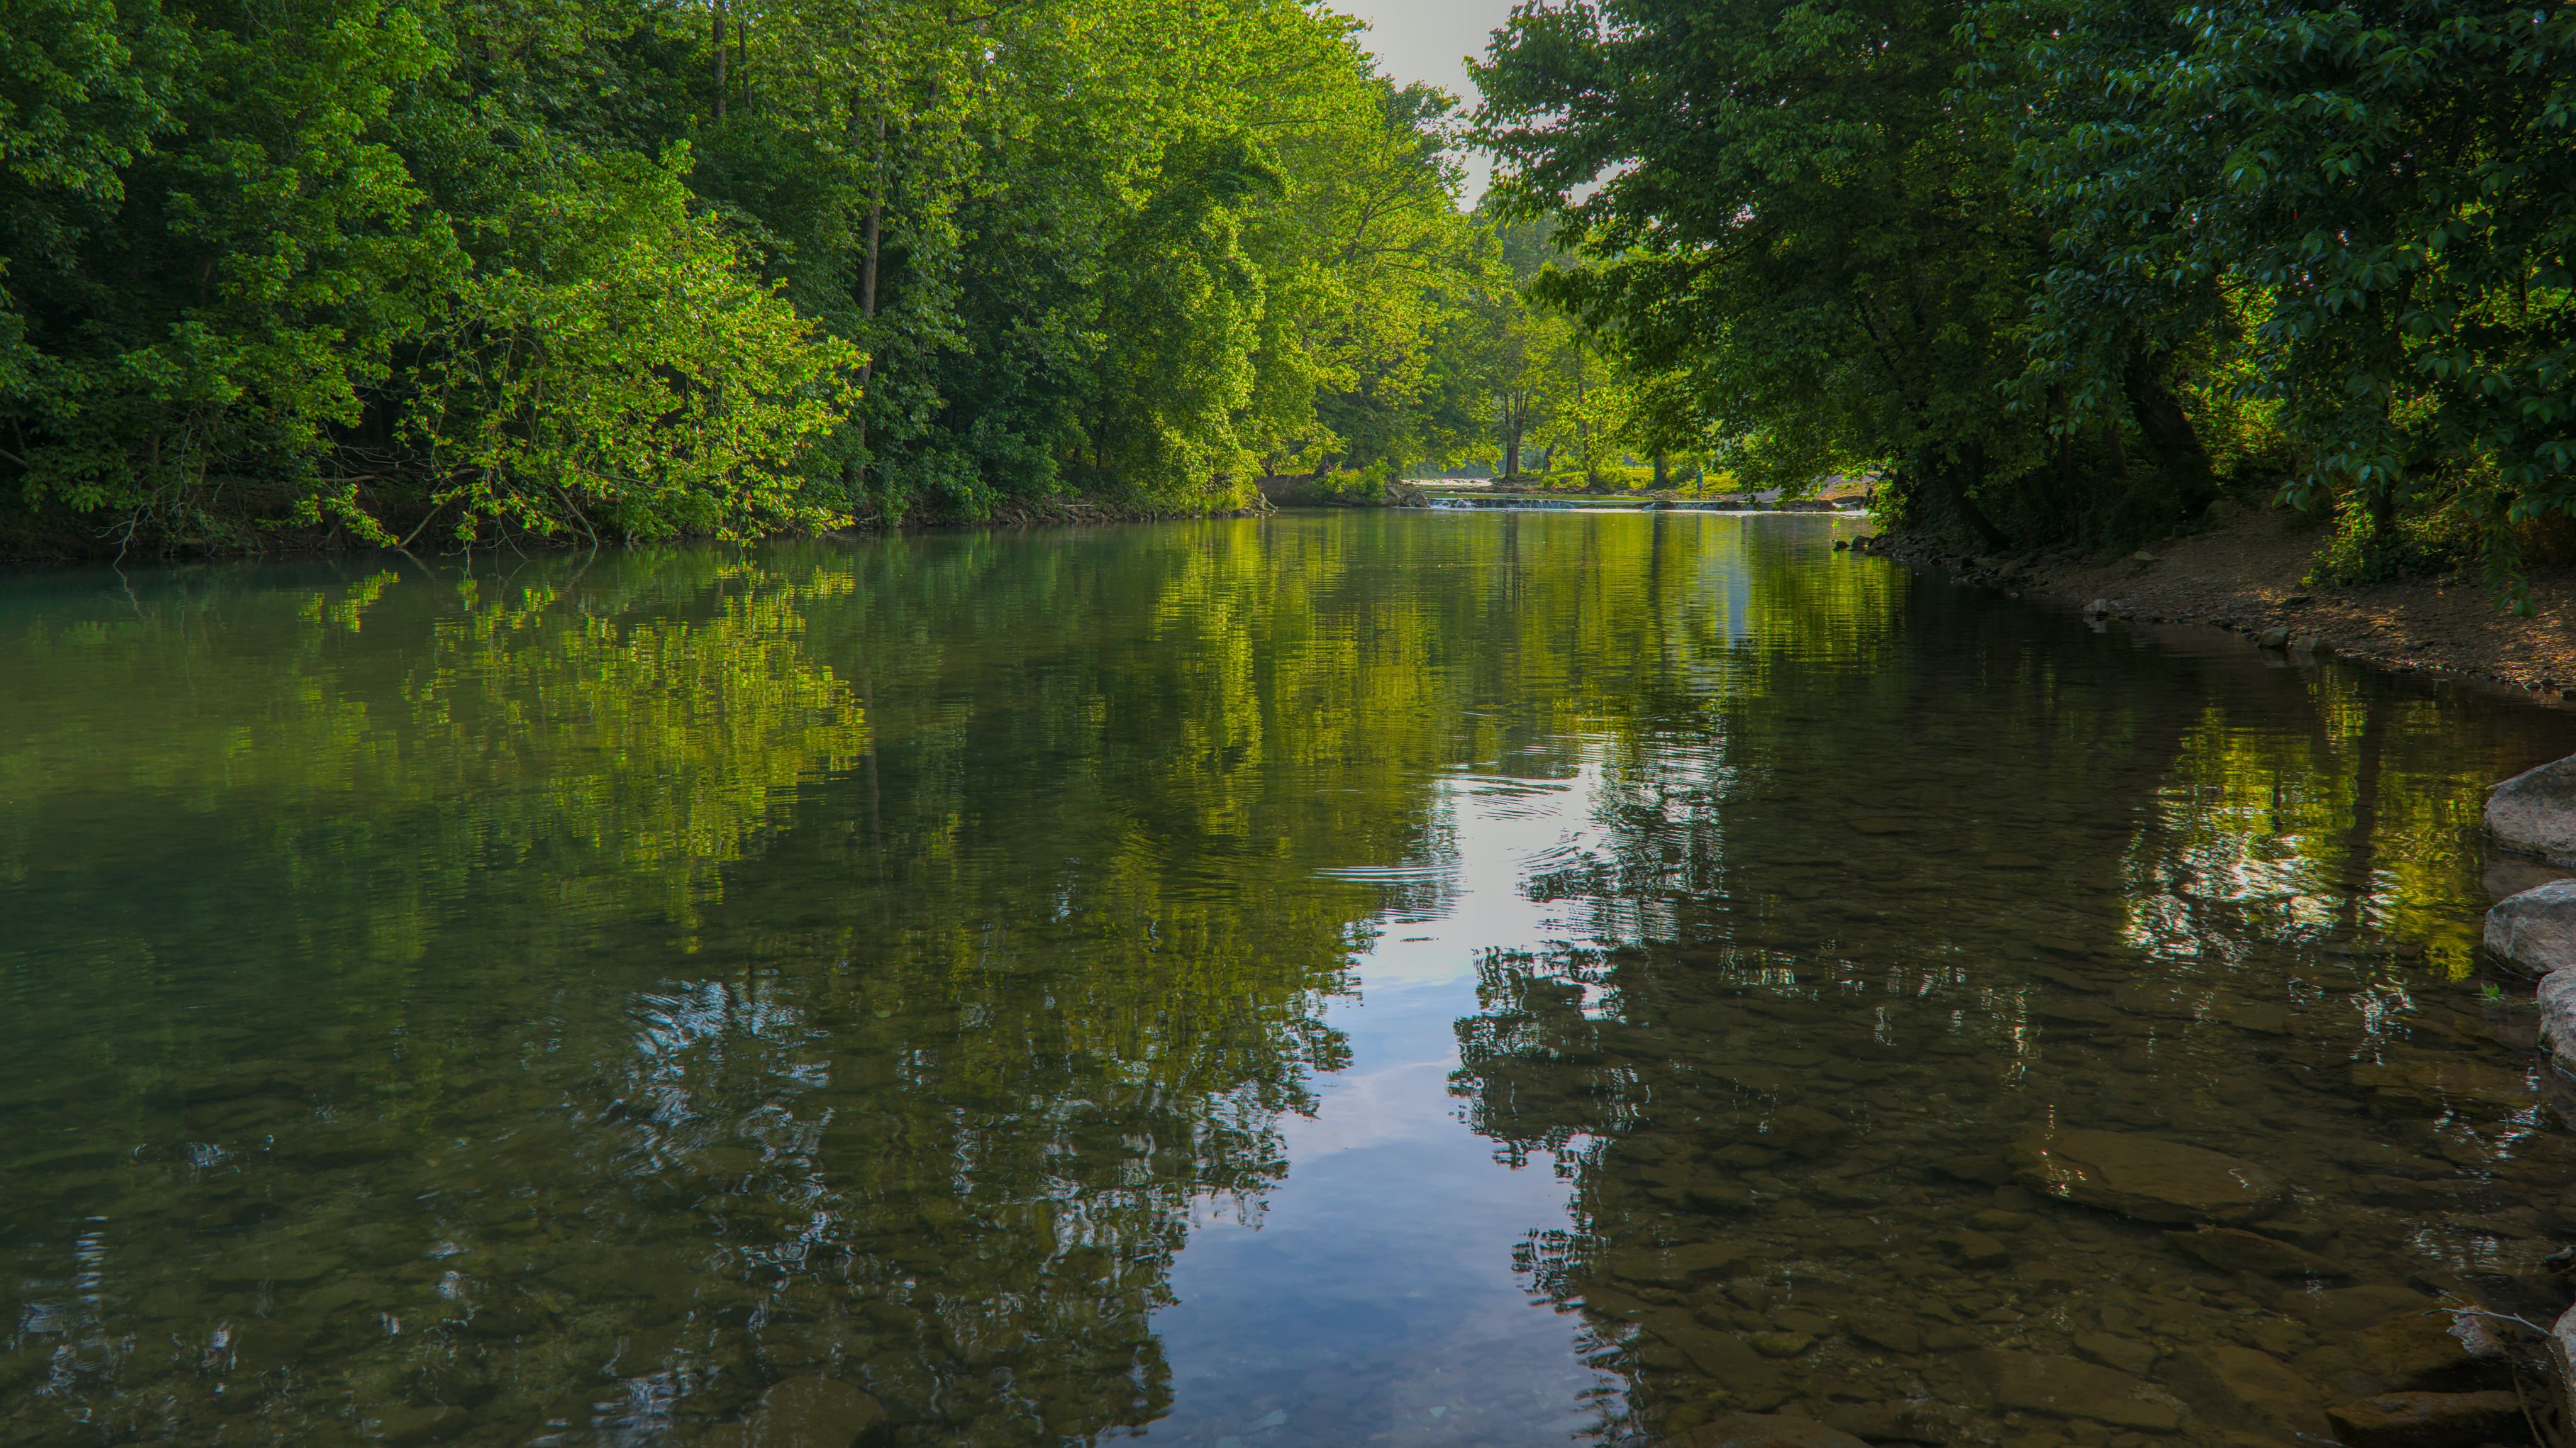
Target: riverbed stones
(2232,1249)
(1886,1330)
(2535,812)
(2413,1353)
(2147,1178)
(2066,1387)
(811,1413)
(2349,1309)
(2427,1420)
(2128,1354)
(1683,1264)
(1765,1430)
(1975,1249)
(2536,929)
(2246,1388)
(2437,1080)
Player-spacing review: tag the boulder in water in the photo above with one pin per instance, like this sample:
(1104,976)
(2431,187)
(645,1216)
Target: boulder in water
(2535,812)
(2428,1420)
(2148,1178)
(2232,1249)
(2537,928)
(2558,1015)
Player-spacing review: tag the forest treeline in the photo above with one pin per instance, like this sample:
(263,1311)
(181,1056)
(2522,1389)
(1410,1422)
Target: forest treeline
(393,270)
(2067,269)
(380,271)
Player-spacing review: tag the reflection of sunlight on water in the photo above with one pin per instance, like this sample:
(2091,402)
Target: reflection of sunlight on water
(1375,1297)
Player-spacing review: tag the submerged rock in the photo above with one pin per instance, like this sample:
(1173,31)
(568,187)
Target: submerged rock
(2245,1388)
(2413,1353)
(2348,1309)
(2428,1420)
(811,1413)
(2068,1388)
(2437,1080)
(1896,1421)
(2128,1354)
(2535,811)
(2231,1249)
(2148,1178)
(1763,1430)
(1975,1249)
(2537,928)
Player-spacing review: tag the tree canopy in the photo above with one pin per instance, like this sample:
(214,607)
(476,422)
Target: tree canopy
(2066,270)
(386,270)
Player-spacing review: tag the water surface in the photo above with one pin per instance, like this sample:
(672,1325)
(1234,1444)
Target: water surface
(1458,978)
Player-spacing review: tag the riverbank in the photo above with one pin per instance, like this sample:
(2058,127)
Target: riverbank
(2248,576)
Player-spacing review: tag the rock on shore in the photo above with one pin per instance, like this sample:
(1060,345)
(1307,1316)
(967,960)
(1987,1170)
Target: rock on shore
(2536,929)
(2558,1015)
(2535,812)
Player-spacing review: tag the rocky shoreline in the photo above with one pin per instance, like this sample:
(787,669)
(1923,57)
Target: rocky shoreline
(2247,574)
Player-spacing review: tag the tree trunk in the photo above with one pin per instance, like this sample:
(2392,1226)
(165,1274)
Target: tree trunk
(876,229)
(2382,502)
(2161,420)
(717,21)
(1956,482)
(1663,473)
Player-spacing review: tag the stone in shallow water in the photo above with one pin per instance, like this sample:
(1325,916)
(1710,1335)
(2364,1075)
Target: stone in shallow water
(1723,1358)
(2147,1177)
(2434,1079)
(1975,1249)
(2127,1354)
(2414,1352)
(1763,1430)
(2232,1249)
(1674,1264)
(2348,1309)
(811,1413)
(1897,1421)
(2558,1014)
(2245,1388)
(1886,1330)
(2535,811)
(2427,1420)
(2067,1388)
(2537,928)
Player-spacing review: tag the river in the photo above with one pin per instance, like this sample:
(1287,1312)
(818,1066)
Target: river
(1476,978)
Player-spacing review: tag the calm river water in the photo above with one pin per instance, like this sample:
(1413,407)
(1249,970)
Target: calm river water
(1391,978)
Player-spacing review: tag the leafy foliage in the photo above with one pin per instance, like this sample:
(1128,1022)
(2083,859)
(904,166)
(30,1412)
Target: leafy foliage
(392,269)
(2068,269)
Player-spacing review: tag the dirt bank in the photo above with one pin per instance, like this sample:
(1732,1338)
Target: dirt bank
(2246,576)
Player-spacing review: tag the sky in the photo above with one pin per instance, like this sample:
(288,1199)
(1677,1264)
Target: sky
(1430,40)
